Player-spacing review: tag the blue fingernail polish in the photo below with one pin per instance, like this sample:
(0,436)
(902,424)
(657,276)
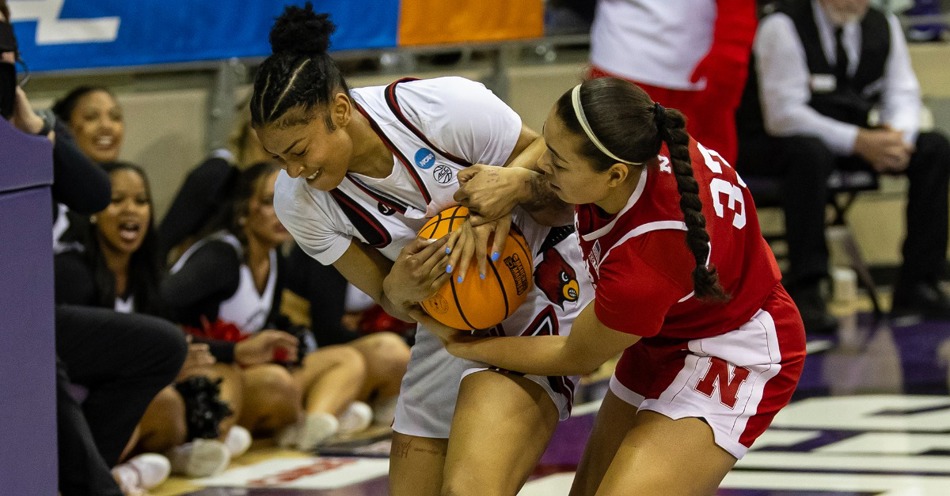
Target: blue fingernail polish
(482,275)
(495,256)
(448,250)
(448,269)
(459,280)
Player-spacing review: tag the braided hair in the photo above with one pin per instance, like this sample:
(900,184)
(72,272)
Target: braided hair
(300,72)
(631,127)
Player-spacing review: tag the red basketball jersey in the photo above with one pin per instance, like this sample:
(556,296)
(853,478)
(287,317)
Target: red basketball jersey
(642,269)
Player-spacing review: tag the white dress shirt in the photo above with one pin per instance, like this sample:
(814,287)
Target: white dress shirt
(785,81)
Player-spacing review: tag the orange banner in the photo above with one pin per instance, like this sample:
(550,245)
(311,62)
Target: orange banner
(430,22)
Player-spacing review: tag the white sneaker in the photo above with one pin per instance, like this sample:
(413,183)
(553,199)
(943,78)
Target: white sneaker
(311,432)
(357,417)
(200,458)
(238,441)
(384,411)
(141,473)
(287,437)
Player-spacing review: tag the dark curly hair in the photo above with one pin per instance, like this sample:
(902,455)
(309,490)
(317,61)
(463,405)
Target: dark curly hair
(300,72)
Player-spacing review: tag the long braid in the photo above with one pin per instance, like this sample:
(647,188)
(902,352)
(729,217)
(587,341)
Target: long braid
(671,127)
(630,128)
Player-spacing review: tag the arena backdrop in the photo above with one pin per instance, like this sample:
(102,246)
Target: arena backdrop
(61,35)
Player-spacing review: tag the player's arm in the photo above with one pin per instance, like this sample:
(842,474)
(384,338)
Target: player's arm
(590,344)
(493,192)
(397,286)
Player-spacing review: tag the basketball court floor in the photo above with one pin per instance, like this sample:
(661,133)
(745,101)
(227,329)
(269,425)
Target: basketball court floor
(871,417)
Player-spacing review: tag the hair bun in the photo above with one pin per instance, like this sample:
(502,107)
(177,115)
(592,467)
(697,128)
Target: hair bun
(301,31)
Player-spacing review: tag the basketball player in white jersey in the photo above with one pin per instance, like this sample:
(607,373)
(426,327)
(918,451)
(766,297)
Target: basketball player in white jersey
(364,169)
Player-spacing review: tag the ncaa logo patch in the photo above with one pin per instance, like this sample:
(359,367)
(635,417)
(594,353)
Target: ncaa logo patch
(424,158)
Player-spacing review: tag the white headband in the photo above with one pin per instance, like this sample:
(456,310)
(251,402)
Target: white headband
(582,118)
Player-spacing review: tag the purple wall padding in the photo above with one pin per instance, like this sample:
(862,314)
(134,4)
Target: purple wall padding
(27,351)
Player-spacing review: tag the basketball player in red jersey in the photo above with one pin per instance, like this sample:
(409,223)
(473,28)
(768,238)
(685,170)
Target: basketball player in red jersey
(685,288)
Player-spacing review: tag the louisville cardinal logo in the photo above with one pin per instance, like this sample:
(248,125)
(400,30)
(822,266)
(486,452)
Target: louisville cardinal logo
(556,278)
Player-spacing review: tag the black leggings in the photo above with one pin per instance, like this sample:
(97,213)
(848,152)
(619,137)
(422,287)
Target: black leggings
(123,360)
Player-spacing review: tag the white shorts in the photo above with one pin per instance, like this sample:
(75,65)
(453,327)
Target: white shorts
(736,381)
(430,387)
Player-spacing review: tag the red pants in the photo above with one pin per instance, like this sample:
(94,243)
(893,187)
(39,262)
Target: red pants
(710,120)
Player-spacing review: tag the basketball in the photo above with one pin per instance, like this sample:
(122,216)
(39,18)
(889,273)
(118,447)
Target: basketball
(478,303)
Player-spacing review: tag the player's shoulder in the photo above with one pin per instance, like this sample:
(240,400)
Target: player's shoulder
(296,202)
(286,191)
(442,83)
(441,91)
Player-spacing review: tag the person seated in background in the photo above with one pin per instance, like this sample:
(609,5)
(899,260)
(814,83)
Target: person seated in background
(823,68)
(314,296)
(94,117)
(94,121)
(208,187)
(121,360)
(118,268)
(228,285)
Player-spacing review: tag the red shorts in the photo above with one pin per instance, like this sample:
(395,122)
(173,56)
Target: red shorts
(736,381)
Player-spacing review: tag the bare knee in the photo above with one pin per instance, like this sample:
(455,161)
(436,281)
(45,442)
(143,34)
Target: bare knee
(384,348)
(338,356)
(163,425)
(387,357)
(271,398)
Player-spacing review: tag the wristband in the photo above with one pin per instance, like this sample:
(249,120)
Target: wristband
(49,122)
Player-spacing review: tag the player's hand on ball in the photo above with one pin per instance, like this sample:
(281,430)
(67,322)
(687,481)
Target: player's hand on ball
(472,239)
(419,271)
(474,302)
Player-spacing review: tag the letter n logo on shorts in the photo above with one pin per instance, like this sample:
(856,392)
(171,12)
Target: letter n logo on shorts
(718,377)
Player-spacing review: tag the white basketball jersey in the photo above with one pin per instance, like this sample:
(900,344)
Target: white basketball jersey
(435,128)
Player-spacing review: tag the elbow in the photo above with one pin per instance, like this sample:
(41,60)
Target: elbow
(581,367)
(591,367)
(583,371)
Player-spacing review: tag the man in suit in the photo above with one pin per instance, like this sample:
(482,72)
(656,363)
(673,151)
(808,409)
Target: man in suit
(823,70)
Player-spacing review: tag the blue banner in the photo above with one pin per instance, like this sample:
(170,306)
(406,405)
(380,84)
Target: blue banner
(87,34)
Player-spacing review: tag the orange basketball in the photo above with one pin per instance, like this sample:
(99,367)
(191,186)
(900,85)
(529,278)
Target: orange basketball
(478,303)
